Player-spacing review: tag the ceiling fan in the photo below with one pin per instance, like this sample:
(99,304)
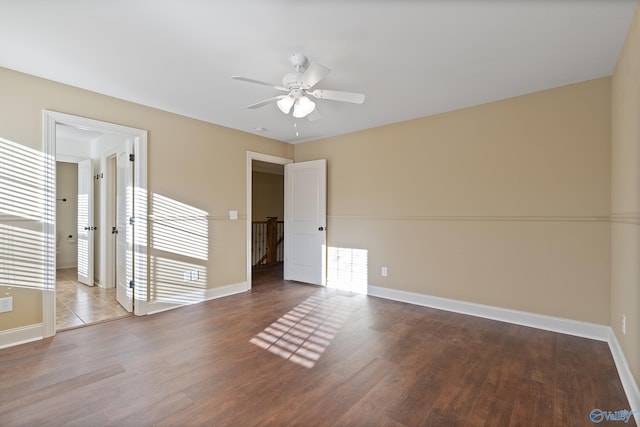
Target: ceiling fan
(299,86)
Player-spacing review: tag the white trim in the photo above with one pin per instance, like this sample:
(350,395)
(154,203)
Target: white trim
(49,309)
(251,155)
(626,376)
(25,334)
(540,321)
(471,218)
(154,307)
(49,227)
(50,119)
(227,290)
(140,213)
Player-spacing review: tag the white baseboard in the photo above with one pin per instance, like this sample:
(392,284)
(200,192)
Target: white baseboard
(154,307)
(626,376)
(228,290)
(22,335)
(539,321)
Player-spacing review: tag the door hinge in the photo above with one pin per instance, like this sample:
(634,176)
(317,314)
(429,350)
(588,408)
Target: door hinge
(132,220)
(132,157)
(132,284)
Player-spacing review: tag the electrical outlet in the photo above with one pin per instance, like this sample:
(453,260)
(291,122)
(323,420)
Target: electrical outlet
(624,324)
(195,275)
(186,276)
(384,271)
(6,304)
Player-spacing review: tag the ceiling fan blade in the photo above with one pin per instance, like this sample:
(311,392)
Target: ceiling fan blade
(313,75)
(259,82)
(266,102)
(314,115)
(336,95)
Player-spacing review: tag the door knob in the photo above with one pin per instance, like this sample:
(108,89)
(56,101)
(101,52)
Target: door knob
(320,228)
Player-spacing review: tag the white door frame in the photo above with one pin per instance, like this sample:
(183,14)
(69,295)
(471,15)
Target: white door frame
(251,156)
(139,137)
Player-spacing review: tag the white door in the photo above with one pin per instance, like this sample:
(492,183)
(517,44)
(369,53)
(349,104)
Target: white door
(86,227)
(305,206)
(124,236)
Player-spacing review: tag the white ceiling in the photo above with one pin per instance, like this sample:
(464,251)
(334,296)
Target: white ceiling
(73,144)
(72,134)
(411,58)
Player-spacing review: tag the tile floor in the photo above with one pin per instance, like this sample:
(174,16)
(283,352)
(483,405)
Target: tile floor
(78,304)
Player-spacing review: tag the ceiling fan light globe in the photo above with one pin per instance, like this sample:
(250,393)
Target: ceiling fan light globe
(302,107)
(285,104)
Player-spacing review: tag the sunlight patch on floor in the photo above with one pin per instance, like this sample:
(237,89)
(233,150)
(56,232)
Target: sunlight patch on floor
(304,333)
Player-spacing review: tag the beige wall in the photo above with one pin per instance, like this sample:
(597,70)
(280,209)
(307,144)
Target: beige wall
(267,196)
(504,204)
(66,215)
(190,162)
(625,201)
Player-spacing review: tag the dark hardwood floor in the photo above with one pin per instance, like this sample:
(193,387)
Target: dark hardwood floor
(293,354)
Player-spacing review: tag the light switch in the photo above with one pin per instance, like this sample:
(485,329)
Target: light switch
(233,214)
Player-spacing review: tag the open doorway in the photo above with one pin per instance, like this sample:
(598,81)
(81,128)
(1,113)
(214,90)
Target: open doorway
(116,168)
(305,236)
(87,201)
(267,221)
(265,217)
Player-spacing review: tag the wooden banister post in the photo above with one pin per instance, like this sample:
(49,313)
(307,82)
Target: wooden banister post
(272,239)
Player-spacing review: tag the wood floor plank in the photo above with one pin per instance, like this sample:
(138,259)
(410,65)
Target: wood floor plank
(46,403)
(376,404)
(375,362)
(495,399)
(326,409)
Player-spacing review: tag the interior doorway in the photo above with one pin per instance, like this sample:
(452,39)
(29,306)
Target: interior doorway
(265,201)
(87,199)
(267,221)
(115,158)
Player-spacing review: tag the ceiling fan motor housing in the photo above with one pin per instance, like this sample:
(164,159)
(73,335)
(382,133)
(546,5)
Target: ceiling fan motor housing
(293,81)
